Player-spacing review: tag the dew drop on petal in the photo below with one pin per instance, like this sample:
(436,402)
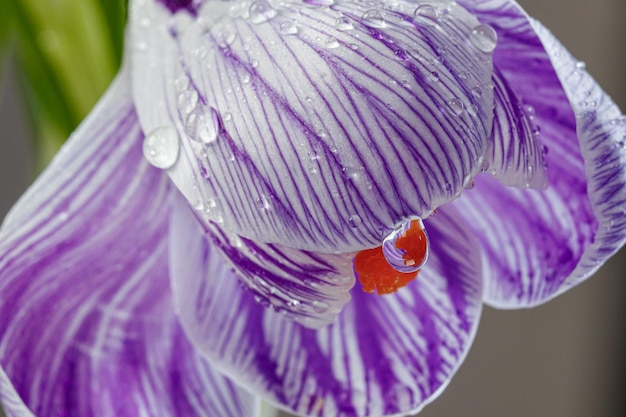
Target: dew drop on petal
(484,38)
(354,221)
(455,107)
(393,265)
(477,91)
(406,248)
(373,18)
(261,11)
(202,125)
(288,27)
(187,101)
(161,147)
(331,42)
(320,307)
(181,83)
(343,24)
(426,15)
(433,76)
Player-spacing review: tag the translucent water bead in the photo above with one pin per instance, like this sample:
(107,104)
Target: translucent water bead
(396,262)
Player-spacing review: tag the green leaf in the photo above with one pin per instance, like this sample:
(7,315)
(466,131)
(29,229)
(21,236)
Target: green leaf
(69,51)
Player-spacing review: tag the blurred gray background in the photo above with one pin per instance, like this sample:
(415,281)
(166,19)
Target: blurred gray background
(564,359)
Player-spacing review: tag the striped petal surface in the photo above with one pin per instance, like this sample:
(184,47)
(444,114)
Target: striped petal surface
(87,327)
(383,355)
(539,243)
(316,126)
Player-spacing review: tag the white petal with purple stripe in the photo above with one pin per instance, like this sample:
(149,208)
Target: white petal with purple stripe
(539,243)
(382,356)
(86,322)
(299,118)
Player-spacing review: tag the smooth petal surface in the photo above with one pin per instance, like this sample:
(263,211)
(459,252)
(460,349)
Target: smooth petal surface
(383,355)
(316,127)
(86,322)
(538,243)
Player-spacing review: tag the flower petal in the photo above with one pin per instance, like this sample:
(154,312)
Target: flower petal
(10,400)
(383,355)
(305,117)
(540,243)
(86,322)
(308,287)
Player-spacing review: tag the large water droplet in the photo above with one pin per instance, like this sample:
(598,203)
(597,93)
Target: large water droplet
(406,248)
(161,147)
(261,11)
(426,15)
(484,38)
(373,18)
(343,24)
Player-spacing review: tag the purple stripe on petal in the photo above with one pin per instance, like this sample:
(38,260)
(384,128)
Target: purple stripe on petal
(86,322)
(383,355)
(320,121)
(178,5)
(310,288)
(540,243)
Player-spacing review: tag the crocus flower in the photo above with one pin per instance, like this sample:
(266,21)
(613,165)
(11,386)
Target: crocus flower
(197,242)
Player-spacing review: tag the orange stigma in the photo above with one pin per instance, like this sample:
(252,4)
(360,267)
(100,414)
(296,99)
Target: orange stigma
(374,269)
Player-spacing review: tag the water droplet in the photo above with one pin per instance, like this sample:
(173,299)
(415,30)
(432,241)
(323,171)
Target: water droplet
(187,101)
(530,111)
(202,125)
(484,38)
(455,107)
(354,221)
(225,35)
(373,18)
(227,116)
(254,63)
(288,27)
(320,307)
(433,76)
(477,91)
(580,65)
(406,247)
(472,110)
(343,24)
(331,42)
(181,83)
(262,203)
(261,11)
(161,147)
(426,15)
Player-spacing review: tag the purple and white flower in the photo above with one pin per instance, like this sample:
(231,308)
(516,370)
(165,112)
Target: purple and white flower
(191,247)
